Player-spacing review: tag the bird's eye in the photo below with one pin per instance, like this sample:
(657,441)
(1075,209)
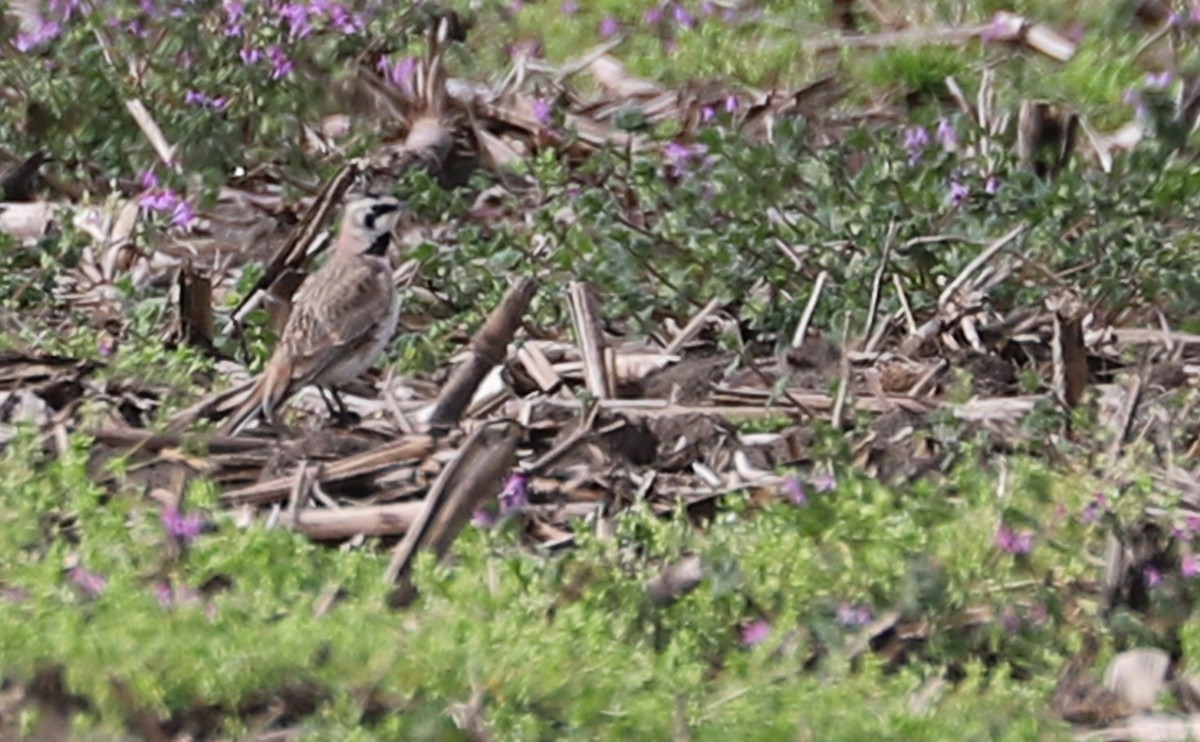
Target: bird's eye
(369,220)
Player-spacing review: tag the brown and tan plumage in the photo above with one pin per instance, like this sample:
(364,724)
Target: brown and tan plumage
(342,316)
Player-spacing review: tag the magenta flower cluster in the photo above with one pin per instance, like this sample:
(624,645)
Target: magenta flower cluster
(203,100)
(184,527)
(1013,542)
(515,495)
(683,159)
(796,493)
(156,198)
(400,73)
(48,26)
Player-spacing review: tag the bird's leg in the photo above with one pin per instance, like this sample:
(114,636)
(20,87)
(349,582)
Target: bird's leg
(325,394)
(341,414)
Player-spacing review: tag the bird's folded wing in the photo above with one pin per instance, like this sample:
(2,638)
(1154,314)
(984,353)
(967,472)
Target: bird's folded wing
(337,317)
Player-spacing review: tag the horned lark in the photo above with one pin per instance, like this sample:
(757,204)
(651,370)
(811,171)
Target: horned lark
(342,316)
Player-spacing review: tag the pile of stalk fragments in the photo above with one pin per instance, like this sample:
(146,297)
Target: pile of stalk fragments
(582,424)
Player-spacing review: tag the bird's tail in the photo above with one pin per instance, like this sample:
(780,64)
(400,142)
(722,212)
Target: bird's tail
(269,391)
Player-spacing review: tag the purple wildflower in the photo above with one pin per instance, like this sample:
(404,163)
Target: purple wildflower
(825,483)
(959,192)
(732,103)
(653,16)
(481,518)
(281,66)
(182,215)
(946,135)
(159,199)
(183,527)
(853,616)
(992,185)
(515,495)
(65,9)
(1152,577)
(541,112)
(148,180)
(1133,98)
(916,139)
(298,17)
(794,491)
(1189,566)
(609,26)
(755,632)
(399,73)
(569,7)
(250,55)
(46,32)
(1194,14)
(707,8)
(346,22)
(1092,510)
(197,98)
(1013,542)
(682,16)
(106,346)
(1010,620)
(707,113)
(1158,81)
(682,158)
(234,10)
(91,583)
(164,594)
(527,49)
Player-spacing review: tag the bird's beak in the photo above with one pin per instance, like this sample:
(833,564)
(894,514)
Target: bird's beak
(385,207)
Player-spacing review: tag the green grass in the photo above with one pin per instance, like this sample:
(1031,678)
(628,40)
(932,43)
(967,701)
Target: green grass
(567,646)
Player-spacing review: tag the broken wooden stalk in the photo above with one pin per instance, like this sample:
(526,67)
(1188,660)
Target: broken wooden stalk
(489,348)
(476,475)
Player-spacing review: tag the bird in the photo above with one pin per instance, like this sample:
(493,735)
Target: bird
(343,315)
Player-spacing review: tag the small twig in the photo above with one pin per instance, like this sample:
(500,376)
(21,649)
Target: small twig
(582,432)
(1133,394)
(298,499)
(393,407)
(839,403)
(979,261)
(910,321)
(389,519)
(927,377)
(809,309)
(877,281)
(164,149)
(590,337)
(692,327)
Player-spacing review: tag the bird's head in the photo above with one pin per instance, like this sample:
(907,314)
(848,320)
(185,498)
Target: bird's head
(368,222)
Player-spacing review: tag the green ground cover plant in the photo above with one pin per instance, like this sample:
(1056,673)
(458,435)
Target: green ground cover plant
(992,562)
